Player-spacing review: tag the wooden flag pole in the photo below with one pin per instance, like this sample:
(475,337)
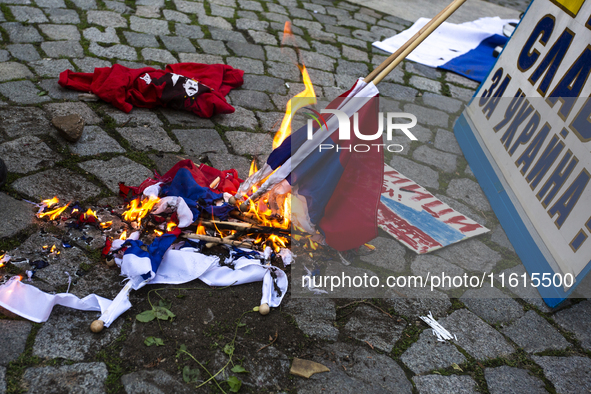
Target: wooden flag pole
(393,60)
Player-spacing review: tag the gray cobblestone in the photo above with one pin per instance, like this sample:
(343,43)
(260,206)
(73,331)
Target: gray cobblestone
(218,10)
(444,103)
(442,160)
(27,154)
(85,4)
(248,65)
(247,50)
(51,67)
(55,91)
(58,49)
(148,138)
(217,21)
(505,379)
(321,78)
(425,84)
(286,55)
(13,70)
(476,337)
(151,26)
(19,33)
(398,92)
(270,121)
(225,160)
(185,118)
(147,11)
(460,93)
(471,254)
(422,175)
(109,36)
(492,305)
(422,70)
(22,92)
(226,35)
(577,320)
(83,377)
(158,55)
(427,116)
(250,5)
(260,37)
(88,64)
(213,47)
(58,15)
(468,191)
(249,24)
(113,52)
(199,58)
(317,60)
(51,3)
(188,31)
(428,354)
(446,141)
(26,52)
(93,141)
(118,169)
(388,254)
(178,44)
(141,40)
(534,334)
(284,70)
(424,265)
(433,384)
(567,374)
(28,14)
(60,32)
(351,68)
(370,326)
(22,121)
(14,333)
(263,83)
(195,142)
(60,182)
(176,16)
(250,143)
(299,41)
(460,80)
(106,19)
(189,7)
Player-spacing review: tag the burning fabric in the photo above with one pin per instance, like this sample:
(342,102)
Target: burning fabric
(194,87)
(190,199)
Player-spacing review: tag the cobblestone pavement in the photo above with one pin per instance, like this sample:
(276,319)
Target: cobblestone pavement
(519,5)
(505,345)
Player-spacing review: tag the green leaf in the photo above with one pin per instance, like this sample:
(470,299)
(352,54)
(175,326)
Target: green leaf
(180,296)
(163,313)
(146,316)
(150,341)
(241,324)
(239,369)
(190,375)
(457,367)
(229,349)
(165,304)
(41,94)
(234,383)
(181,351)
(255,309)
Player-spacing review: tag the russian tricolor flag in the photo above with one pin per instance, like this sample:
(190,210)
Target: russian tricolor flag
(334,191)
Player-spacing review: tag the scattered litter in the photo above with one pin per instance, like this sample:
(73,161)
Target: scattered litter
(441,333)
(306,368)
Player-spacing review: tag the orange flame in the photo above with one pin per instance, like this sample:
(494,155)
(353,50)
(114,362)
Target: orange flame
(54,250)
(105,225)
(50,202)
(138,210)
(253,167)
(201,229)
(170,226)
(278,242)
(123,235)
(158,232)
(2,260)
(306,97)
(90,213)
(53,214)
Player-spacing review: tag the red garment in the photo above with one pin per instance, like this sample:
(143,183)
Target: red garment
(199,88)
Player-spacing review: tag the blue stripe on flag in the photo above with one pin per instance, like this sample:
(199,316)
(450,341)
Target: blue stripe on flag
(437,230)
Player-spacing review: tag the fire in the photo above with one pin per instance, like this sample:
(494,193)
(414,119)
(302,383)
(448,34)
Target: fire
(90,213)
(138,210)
(201,229)
(2,260)
(158,233)
(54,250)
(278,242)
(54,213)
(253,167)
(105,225)
(50,202)
(123,235)
(306,97)
(170,226)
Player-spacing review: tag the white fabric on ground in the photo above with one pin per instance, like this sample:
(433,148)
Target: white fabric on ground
(447,42)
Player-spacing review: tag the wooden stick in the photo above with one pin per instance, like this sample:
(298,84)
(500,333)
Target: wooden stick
(224,241)
(393,60)
(246,226)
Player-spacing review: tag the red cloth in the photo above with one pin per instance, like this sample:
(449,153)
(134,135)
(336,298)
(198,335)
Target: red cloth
(199,88)
(203,174)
